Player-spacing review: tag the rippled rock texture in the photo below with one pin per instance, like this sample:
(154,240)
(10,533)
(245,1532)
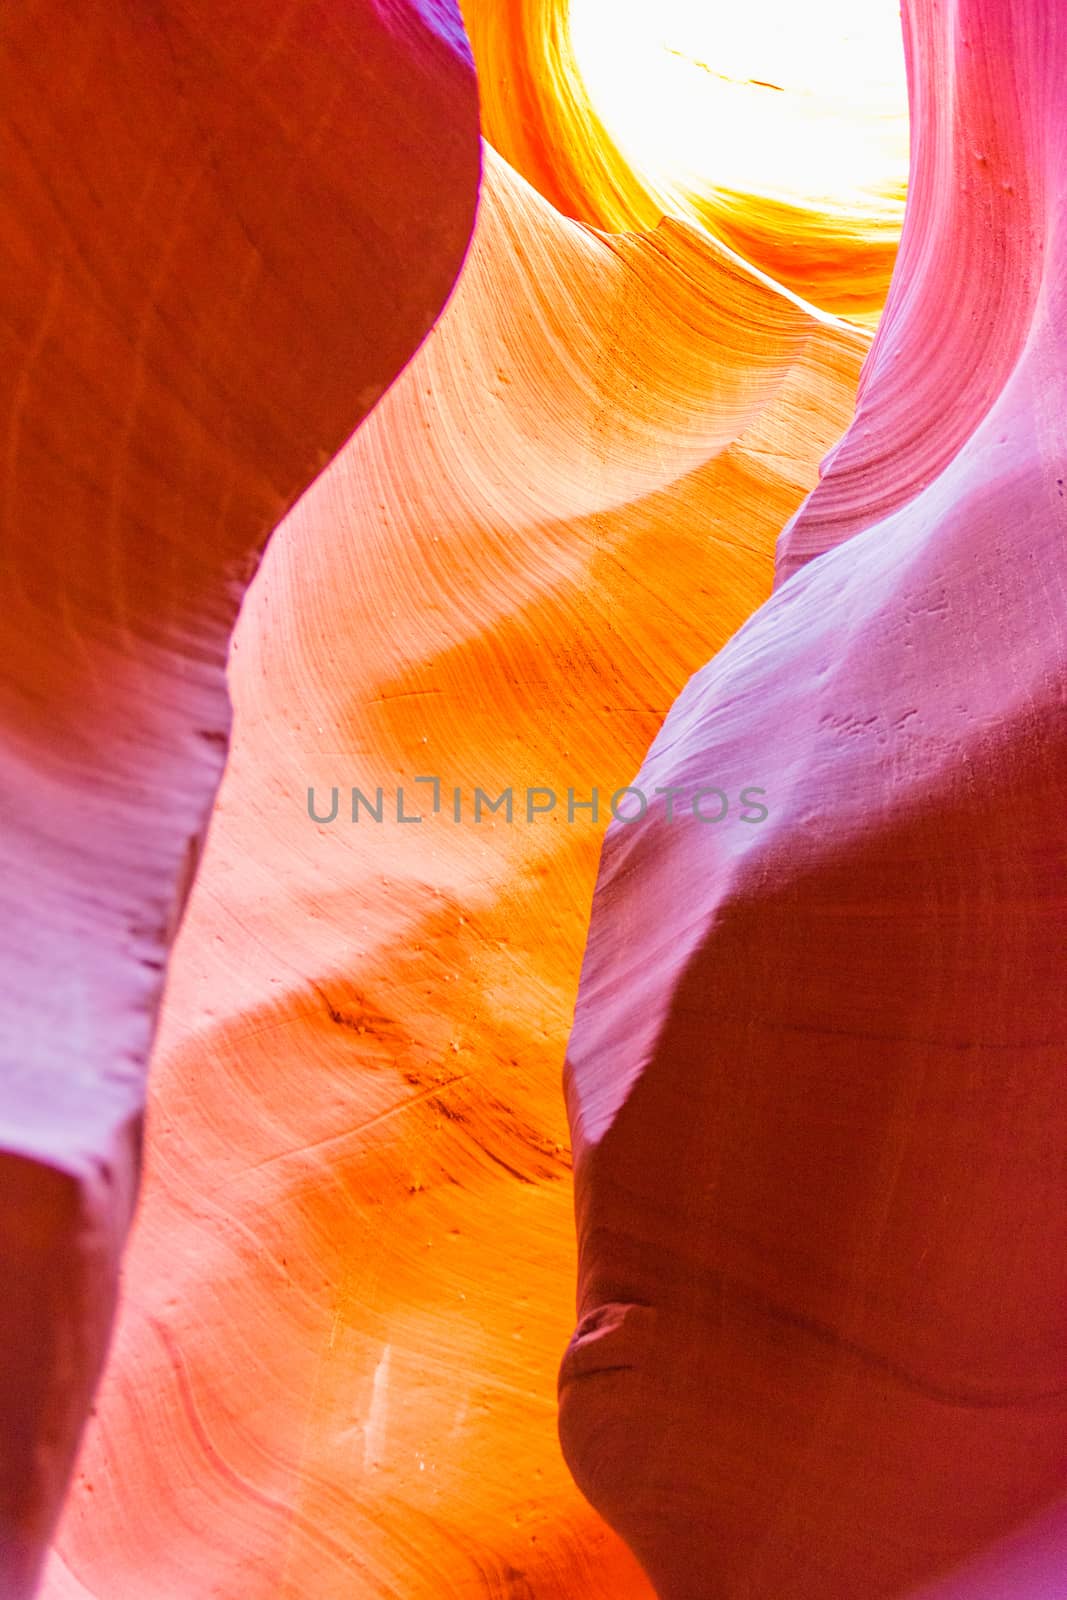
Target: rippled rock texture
(813,1079)
(546,110)
(217,252)
(816,1079)
(352,1275)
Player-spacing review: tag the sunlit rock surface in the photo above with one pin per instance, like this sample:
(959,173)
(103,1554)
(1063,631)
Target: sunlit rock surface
(216,255)
(353,1272)
(780,129)
(816,1078)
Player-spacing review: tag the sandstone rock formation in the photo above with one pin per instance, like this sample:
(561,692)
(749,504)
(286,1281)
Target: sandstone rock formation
(540,112)
(223,232)
(353,1268)
(815,1080)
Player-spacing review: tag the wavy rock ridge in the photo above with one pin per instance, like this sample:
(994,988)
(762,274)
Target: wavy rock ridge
(541,113)
(815,1079)
(334,1367)
(358,1170)
(193,205)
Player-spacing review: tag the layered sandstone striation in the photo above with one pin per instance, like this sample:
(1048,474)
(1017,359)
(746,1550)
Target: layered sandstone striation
(815,1080)
(223,233)
(353,1269)
(541,111)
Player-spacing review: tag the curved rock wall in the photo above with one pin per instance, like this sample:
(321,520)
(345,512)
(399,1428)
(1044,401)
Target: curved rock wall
(812,1081)
(815,1079)
(358,1173)
(216,255)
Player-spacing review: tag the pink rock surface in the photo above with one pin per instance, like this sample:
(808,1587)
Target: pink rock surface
(224,232)
(815,1080)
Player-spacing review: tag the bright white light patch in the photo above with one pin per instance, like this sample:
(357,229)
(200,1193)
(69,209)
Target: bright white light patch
(802,103)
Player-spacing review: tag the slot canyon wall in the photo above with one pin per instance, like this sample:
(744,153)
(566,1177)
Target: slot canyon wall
(352,1273)
(815,1080)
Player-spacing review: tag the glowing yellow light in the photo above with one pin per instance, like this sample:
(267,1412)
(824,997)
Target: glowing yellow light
(804,104)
